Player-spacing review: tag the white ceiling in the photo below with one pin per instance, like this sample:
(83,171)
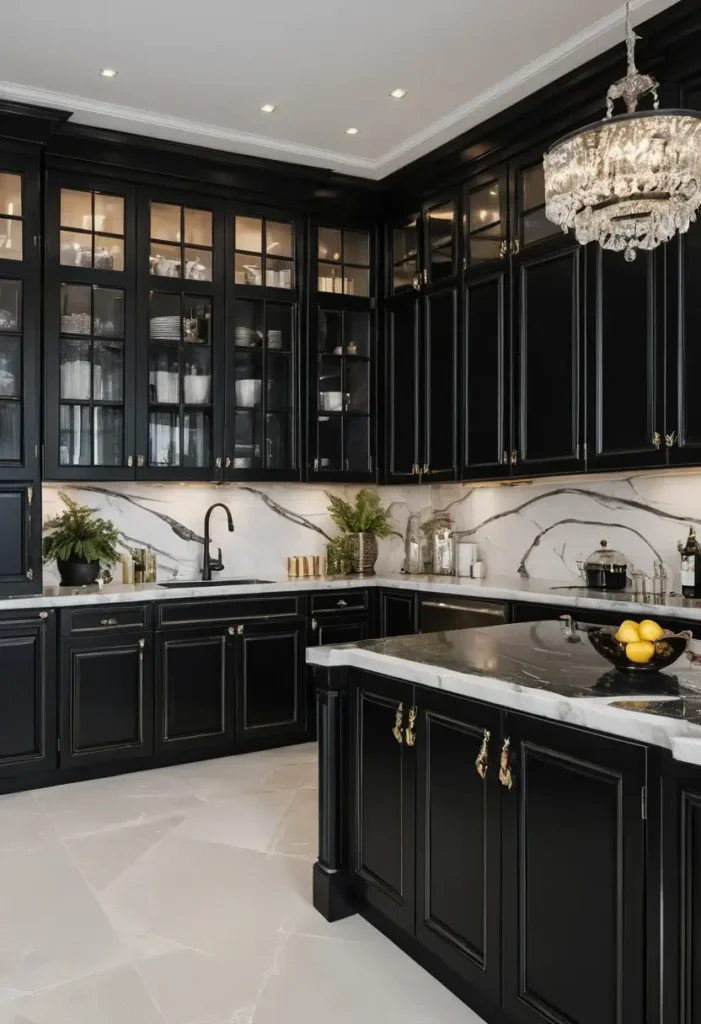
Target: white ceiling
(199,70)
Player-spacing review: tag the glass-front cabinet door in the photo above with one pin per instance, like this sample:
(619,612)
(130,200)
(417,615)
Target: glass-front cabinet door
(342,354)
(90,330)
(485,220)
(262,346)
(181,311)
(405,256)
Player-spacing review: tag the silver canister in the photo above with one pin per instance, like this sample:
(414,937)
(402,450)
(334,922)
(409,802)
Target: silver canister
(443,552)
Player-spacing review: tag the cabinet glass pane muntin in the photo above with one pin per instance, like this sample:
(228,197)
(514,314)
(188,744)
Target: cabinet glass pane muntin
(263,252)
(11,367)
(440,229)
(181,242)
(10,216)
(405,256)
(263,384)
(486,231)
(535,226)
(10,431)
(91,376)
(344,261)
(343,374)
(91,229)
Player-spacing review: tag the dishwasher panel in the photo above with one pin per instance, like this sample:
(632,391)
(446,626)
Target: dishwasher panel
(438,613)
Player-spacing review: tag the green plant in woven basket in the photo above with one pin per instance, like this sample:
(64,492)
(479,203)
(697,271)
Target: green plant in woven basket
(78,537)
(365,515)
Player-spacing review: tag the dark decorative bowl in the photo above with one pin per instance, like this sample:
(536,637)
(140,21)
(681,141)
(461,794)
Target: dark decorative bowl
(668,649)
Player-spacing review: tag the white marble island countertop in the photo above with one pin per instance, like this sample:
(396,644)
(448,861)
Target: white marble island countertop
(534,668)
(496,588)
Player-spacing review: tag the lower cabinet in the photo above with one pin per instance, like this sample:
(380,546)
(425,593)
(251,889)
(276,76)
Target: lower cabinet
(398,612)
(28,740)
(271,681)
(20,538)
(512,849)
(195,692)
(106,699)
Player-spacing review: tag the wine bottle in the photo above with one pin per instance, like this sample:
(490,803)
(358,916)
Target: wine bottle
(691,566)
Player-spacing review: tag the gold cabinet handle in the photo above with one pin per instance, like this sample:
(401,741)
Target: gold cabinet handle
(315,625)
(410,735)
(656,439)
(231,630)
(505,776)
(239,630)
(108,622)
(217,462)
(670,439)
(503,248)
(43,615)
(227,463)
(481,762)
(505,457)
(514,456)
(515,245)
(426,469)
(130,461)
(142,644)
(140,461)
(341,603)
(398,718)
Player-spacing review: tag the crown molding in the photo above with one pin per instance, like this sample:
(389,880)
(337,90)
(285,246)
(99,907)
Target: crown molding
(558,61)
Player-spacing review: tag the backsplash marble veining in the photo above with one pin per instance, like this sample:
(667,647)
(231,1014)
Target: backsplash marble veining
(539,529)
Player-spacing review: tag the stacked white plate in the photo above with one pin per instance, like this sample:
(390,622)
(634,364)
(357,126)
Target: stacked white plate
(165,328)
(246,337)
(75,323)
(274,339)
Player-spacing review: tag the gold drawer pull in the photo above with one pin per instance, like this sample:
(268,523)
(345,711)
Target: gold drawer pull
(505,776)
(108,622)
(481,762)
(398,718)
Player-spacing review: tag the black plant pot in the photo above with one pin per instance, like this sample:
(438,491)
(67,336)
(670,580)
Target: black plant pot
(78,574)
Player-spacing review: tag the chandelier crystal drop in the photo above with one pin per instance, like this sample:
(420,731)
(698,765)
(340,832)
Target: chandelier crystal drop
(627,182)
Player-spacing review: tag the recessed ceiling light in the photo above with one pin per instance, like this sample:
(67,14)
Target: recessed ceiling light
(268,108)
(398,94)
(108,73)
(352,131)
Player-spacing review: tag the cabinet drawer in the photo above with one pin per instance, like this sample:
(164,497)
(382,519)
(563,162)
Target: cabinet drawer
(107,618)
(172,614)
(339,601)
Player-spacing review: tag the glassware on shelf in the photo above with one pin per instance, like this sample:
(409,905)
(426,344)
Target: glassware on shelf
(10,431)
(412,545)
(164,438)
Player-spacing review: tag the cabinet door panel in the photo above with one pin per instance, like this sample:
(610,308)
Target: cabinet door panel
(106,699)
(683,412)
(345,631)
(627,376)
(397,613)
(27,698)
(458,839)
(271,681)
(485,432)
(384,805)
(20,538)
(441,376)
(403,386)
(574,859)
(547,321)
(194,690)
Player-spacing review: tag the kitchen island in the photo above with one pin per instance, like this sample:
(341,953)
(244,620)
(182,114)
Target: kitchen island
(518,817)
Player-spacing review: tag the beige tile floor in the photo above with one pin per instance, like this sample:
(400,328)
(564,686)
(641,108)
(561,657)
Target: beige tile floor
(183,896)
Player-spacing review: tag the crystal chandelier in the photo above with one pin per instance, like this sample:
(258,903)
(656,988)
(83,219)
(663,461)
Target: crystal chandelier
(627,182)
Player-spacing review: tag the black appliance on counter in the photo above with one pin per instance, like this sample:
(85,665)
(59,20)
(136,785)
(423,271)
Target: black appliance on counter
(605,569)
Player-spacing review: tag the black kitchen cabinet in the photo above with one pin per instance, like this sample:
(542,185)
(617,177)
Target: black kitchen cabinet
(271,682)
(264,269)
(383,777)
(573,848)
(342,432)
(458,837)
(339,629)
(194,690)
(89,328)
(28,739)
(626,369)
(106,698)
(403,391)
(398,612)
(20,537)
(682,430)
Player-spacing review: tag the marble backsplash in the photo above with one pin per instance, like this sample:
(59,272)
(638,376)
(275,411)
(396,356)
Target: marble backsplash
(536,529)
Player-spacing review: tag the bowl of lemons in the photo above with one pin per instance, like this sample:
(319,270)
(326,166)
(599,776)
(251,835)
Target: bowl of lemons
(639,646)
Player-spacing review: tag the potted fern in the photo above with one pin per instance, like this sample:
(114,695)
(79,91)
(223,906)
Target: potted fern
(79,543)
(363,522)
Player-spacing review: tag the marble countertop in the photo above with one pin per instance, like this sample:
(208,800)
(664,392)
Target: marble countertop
(533,668)
(497,588)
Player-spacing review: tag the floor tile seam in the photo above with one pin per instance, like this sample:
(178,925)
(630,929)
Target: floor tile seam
(96,892)
(117,826)
(272,972)
(280,825)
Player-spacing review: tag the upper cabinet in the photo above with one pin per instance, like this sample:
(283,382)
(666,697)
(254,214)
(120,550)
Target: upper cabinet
(20,302)
(342,355)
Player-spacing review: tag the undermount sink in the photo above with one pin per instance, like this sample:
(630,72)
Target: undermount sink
(211,583)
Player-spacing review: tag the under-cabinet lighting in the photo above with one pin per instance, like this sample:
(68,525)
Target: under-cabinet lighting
(398,94)
(268,108)
(108,73)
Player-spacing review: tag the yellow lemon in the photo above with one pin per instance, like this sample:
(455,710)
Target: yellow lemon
(628,633)
(640,651)
(650,630)
(628,622)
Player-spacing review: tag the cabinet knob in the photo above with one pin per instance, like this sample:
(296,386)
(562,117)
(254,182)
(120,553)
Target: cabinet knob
(231,630)
(505,776)
(43,615)
(341,603)
(239,630)
(481,762)
(397,731)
